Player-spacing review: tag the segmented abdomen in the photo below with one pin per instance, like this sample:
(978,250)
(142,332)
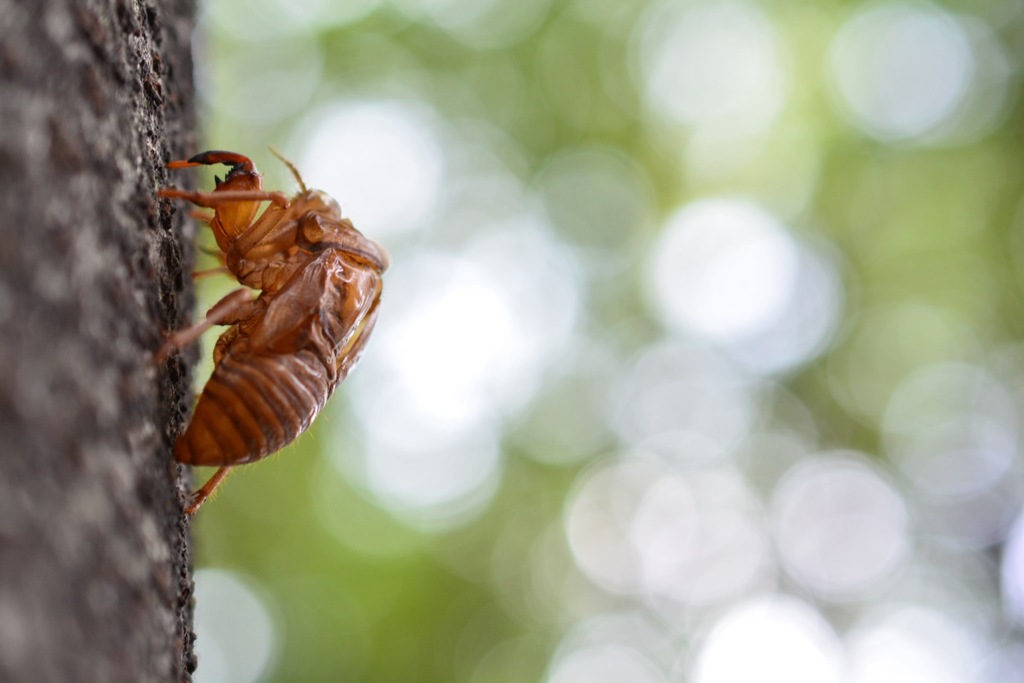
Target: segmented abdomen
(252,406)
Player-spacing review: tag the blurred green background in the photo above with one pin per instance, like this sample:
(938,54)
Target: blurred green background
(699,357)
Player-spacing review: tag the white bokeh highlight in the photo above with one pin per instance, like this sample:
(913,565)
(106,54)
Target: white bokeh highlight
(724,269)
(638,527)
(952,429)
(910,644)
(770,640)
(682,401)
(712,65)
(728,271)
(841,528)
(606,664)
(611,648)
(383,160)
(464,344)
(1012,573)
(914,72)
(235,632)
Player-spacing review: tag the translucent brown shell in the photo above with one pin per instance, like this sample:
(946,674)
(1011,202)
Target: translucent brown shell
(284,352)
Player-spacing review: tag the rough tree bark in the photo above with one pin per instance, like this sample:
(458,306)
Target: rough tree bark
(95,577)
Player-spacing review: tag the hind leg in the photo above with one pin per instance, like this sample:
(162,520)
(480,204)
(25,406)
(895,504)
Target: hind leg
(206,490)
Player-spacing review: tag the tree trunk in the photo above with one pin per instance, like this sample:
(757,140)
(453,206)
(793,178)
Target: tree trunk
(95,578)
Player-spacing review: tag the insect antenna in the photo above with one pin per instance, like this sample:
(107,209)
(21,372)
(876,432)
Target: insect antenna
(291,167)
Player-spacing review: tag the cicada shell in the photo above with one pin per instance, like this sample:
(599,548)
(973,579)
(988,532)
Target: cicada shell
(287,348)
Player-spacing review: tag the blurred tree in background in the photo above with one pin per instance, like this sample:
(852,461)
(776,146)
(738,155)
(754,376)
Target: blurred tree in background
(698,359)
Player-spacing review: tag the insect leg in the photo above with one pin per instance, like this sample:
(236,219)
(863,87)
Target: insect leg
(222,270)
(224,310)
(202,217)
(206,490)
(214,199)
(216,157)
(216,253)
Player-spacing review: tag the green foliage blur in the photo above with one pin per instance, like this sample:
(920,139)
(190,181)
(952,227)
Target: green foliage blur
(892,166)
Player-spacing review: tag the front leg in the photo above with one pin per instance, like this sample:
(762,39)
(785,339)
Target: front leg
(212,200)
(234,307)
(238,162)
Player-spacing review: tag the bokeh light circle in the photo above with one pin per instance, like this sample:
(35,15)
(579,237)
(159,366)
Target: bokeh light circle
(236,638)
(840,526)
(723,268)
(727,270)
(463,345)
(683,401)
(916,72)
(612,647)
(770,640)
(952,429)
(636,526)
(912,644)
(468,334)
(606,664)
(712,64)
(1012,572)
(381,159)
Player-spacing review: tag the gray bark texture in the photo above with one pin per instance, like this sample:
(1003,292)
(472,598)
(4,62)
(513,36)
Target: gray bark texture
(95,577)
